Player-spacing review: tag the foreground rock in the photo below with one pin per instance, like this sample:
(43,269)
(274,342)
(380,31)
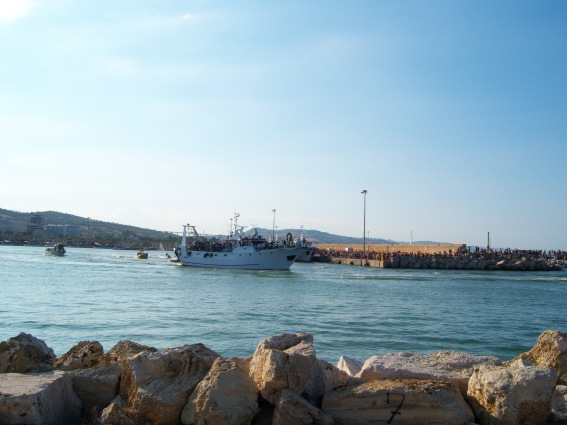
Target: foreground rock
(125,349)
(292,409)
(40,399)
(559,404)
(350,366)
(284,361)
(445,366)
(84,355)
(324,378)
(116,414)
(398,401)
(96,386)
(512,395)
(227,395)
(156,386)
(25,354)
(550,350)
(283,383)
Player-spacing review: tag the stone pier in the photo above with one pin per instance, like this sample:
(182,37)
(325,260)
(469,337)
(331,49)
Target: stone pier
(438,256)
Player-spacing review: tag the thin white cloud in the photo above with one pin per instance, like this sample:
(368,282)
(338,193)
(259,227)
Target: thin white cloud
(160,22)
(11,10)
(121,67)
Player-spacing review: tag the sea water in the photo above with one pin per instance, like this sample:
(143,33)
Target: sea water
(110,295)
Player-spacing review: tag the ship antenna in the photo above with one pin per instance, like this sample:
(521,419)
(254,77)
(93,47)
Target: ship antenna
(236,215)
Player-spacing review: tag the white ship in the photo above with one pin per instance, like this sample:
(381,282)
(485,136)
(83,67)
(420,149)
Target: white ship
(306,256)
(236,252)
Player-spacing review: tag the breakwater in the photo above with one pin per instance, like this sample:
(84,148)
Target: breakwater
(282,383)
(460,259)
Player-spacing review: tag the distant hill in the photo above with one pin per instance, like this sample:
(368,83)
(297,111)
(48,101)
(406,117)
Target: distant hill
(13,222)
(318,237)
(17,222)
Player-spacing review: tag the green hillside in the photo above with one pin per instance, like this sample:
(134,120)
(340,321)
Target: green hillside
(15,224)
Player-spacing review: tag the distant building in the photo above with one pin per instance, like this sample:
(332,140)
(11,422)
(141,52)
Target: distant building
(36,226)
(61,230)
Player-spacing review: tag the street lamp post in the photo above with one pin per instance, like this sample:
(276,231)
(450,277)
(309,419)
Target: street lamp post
(274,226)
(364,225)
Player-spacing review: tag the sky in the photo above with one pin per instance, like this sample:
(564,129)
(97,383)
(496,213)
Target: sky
(452,114)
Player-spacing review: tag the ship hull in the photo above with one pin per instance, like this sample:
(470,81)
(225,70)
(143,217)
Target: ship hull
(267,259)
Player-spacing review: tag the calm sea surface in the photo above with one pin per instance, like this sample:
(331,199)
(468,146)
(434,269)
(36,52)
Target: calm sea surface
(109,295)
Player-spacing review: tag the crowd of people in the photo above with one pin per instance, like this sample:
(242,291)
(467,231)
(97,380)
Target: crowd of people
(373,255)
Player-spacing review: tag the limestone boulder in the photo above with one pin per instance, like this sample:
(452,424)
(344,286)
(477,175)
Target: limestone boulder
(83,355)
(472,264)
(226,396)
(399,402)
(559,404)
(324,378)
(125,349)
(96,386)
(291,409)
(550,350)
(448,366)
(512,395)
(115,414)
(348,365)
(39,399)
(156,385)
(25,354)
(283,361)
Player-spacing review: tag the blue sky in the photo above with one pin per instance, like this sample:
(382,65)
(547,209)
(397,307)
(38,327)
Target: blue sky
(452,114)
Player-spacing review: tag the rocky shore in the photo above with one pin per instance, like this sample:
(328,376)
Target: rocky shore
(477,261)
(460,261)
(282,383)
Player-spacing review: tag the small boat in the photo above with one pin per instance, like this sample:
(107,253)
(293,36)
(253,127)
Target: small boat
(142,255)
(58,250)
(237,251)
